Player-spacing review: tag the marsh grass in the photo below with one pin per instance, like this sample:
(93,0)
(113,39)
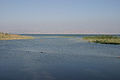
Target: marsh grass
(103,39)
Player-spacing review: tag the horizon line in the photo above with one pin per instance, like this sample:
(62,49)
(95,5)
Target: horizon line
(72,33)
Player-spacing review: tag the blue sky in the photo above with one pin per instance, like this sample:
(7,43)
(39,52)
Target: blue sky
(60,16)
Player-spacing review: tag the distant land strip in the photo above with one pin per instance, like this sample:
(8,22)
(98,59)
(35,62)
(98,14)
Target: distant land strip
(6,36)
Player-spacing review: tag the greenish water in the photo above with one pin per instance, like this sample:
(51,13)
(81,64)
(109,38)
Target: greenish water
(52,57)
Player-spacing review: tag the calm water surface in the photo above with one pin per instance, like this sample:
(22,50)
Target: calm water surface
(53,57)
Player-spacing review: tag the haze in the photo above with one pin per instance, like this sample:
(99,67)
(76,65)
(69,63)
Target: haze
(60,16)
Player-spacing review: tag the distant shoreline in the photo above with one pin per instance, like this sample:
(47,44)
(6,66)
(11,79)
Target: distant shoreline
(6,36)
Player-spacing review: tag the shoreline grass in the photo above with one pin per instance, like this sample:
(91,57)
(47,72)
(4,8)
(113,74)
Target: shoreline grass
(6,36)
(103,39)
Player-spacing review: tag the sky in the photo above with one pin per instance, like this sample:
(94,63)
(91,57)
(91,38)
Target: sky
(60,16)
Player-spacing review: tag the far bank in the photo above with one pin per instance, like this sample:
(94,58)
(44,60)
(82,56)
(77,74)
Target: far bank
(6,36)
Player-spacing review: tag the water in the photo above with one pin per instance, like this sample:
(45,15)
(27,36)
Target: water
(53,57)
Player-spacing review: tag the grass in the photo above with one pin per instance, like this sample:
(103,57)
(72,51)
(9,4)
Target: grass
(103,39)
(6,36)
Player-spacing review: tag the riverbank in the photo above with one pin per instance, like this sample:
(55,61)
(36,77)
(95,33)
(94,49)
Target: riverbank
(6,36)
(103,39)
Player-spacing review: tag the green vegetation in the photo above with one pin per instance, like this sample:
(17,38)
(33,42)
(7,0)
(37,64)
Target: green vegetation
(103,39)
(6,36)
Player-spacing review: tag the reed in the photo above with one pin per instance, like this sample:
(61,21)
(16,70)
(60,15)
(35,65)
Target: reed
(103,39)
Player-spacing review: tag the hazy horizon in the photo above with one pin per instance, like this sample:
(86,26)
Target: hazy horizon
(60,16)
